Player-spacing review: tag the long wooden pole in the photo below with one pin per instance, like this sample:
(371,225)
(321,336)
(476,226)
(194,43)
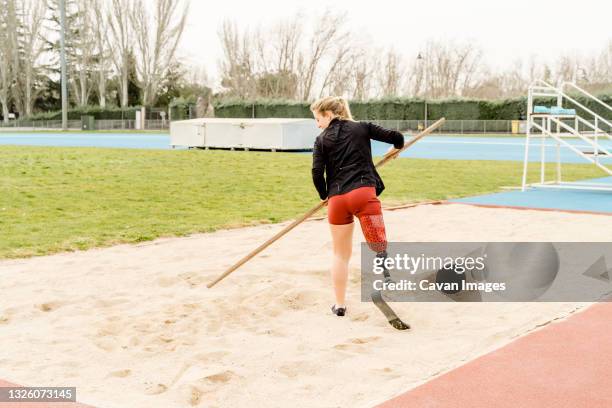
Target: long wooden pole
(389,156)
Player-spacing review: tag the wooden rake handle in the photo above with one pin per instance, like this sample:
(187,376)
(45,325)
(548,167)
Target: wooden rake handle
(389,156)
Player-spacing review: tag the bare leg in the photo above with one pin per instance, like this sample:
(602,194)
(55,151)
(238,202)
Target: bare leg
(342,236)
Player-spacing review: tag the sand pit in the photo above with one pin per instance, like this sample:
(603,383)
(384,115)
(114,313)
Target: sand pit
(135,325)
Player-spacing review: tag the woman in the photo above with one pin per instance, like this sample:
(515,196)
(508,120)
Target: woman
(344,174)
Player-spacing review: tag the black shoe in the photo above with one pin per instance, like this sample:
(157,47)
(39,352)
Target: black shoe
(340,311)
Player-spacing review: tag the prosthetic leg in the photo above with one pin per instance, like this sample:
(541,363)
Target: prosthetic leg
(386,273)
(373,228)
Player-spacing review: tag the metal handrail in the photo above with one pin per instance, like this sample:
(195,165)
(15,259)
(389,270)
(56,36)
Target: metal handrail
(570,146)
(593,97)
(564,95)
(595,145)
(596,129)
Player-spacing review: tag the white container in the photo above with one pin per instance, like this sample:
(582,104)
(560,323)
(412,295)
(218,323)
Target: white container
(261,134)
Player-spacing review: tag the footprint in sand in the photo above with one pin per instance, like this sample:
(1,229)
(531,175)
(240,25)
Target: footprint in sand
(154,389)
(386,371)
(356,344)
(193,390)
(364,340)
(220,378)
(49,306)
(120,373)
(4,318)
(211,357)
(295,368)
(106,344)
(299,299)
(167,281)
(165,338)
(194,395)
(360,317)
(192,279)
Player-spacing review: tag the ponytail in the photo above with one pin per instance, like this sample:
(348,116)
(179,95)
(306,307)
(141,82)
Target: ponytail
(337,105)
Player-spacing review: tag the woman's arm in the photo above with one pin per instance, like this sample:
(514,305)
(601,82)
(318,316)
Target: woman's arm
(318,170)
(385,135)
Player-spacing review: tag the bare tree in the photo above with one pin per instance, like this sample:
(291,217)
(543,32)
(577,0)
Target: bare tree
(31,45)
(122,37)
(102,50)
(157,38)
(5,67)
(390,74)
(566,68)
(415,78)
(515,83)
(451,68)
(82,56)
(238,64)
(329,30)
(288,35)
(363,72)
(8,55)
(337,77)
(601,66)
(276,59)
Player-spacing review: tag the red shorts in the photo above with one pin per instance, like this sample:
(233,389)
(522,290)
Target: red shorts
(359,202)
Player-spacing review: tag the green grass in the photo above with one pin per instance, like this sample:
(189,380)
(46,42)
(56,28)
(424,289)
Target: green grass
(59,199)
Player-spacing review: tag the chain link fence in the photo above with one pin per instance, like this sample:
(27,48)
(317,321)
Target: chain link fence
(40,124)
(102,124)
(449,127)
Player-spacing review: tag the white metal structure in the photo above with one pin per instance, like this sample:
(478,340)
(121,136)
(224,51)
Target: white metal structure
(258,134)
(562,127)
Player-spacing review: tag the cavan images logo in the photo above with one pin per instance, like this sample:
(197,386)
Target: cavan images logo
(496,271)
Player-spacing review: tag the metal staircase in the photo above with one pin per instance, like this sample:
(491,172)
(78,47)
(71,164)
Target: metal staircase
(565,128)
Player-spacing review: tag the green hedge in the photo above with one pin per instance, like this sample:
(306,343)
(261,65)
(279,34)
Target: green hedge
(395,108)
(95,111)
(265,108)
(402,109)
(179,107)
(381,109)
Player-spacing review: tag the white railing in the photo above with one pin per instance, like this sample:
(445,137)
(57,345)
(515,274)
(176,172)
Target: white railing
(557,92)
(566,125)
(587,94)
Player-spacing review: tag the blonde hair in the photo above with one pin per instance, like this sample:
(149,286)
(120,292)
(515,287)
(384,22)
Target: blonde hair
(337,105)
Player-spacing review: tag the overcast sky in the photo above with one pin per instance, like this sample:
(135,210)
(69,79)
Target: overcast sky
(505,30)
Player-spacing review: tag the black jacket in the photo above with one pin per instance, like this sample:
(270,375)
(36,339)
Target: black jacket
(344,153)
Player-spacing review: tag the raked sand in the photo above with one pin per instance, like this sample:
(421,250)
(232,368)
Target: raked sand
(135,326)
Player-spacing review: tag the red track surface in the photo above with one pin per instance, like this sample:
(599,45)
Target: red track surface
(566,364)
